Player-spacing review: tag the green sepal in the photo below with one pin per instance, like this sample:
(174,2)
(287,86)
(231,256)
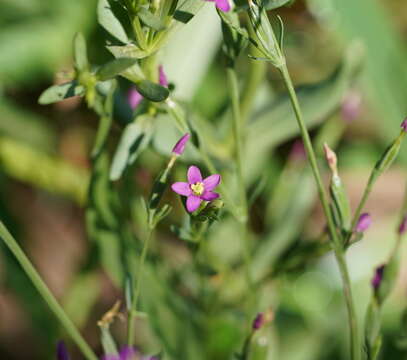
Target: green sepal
(150,20)
(389,278)
(340,202)
(108,343)
(80,53)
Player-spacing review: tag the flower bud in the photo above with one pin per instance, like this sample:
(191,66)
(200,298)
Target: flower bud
(403,226)
(378,276)
(404,125)
(180,145)
(162,78)
(262,319)
(331,159)
(134,98)
(62,351)
(363,223)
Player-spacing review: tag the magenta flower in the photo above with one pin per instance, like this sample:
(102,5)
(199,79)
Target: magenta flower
(134,97)
(129,353)
(403,226)
(363,223)
(258,321)
(62,351)
(180,145)
(404,125)
(222,5)
(197,189)
(378,276)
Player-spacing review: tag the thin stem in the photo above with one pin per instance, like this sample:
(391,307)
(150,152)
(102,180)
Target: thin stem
(337,246)
(46,294)
(243,208)
(133,312)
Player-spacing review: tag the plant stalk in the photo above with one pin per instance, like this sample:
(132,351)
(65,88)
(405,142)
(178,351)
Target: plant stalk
(46,294)
(337,246)
(133,312)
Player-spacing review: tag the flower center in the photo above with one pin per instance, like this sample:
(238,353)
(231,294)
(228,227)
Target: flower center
(197,188)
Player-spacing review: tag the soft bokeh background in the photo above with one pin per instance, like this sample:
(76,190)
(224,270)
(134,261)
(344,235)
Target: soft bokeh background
(44,166)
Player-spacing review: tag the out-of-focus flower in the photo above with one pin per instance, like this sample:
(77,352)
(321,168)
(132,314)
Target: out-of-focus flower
(162,78)
(404,125)
(126,353)
(223,5)
(134,97)
(378,276)
(403,226)
(180,145)
(363,223)
(351,105)
(297,152)
(62,351)
(197,189)
(262,319)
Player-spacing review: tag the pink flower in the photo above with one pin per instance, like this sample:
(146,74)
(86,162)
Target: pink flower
(197,189)
(222,5)
(363,223)
(180,145)
(134,97)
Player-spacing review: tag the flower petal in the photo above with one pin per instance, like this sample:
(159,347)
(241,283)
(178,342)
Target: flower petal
(134,98)
(194,175)
(211,181)
(209,196)
(193,203)
(181,188)
(223,5)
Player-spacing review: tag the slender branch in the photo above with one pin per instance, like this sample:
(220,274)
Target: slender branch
(337,246)
(133,312)
(46,294)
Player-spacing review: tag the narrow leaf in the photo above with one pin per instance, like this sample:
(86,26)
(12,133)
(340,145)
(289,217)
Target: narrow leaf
(150,19)
(114,68)
(108,20)
(60,92)
(80,53)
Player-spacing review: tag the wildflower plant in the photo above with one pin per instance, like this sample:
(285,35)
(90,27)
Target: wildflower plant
(223,181)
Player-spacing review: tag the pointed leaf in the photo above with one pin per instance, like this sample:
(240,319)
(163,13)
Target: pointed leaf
(60,92)
(114,68)
(80,53)
(150,19)
(108,20)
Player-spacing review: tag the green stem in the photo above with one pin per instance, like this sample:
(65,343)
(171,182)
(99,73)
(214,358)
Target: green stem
(133,312)
(243,208)
(46,294)
(337,246)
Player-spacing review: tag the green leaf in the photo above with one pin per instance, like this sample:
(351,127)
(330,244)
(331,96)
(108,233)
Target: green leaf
(274,4)
(186,10)
(80,53)
(133,141)
(129,50)
(114,68)
(108,343)
(150,19)
(152,91)
(60,92)
(108,20)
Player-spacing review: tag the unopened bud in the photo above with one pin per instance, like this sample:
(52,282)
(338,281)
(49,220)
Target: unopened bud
(262,319)
(363,223)
(404,125)
(403,226)
(180,145)
(378,276)
(331,159)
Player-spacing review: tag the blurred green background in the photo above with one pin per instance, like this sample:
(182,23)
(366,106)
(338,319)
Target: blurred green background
(44,169)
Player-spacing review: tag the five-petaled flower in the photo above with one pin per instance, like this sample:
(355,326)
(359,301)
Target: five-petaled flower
(223,5)
(197,189)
